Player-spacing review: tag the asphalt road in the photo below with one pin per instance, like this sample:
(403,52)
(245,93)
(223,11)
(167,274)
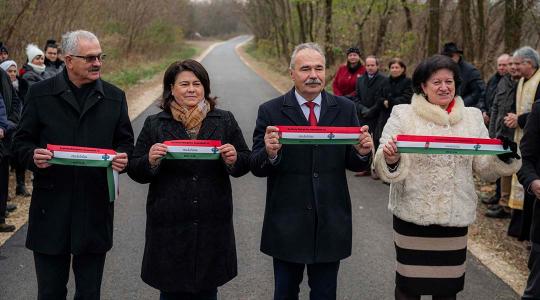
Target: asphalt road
(367,274)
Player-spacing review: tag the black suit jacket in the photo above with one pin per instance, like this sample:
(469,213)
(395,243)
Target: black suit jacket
(369,93)
(70,210)
(530,170)
(308,208)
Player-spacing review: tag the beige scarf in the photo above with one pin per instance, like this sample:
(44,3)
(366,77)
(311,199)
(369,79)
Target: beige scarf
(190,117)
(524,100)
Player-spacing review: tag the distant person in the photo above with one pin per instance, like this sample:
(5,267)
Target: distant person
(432,197)
(396,90)
(70,223)
(346,75)
(503,104)
(307,221)
(491,88)
(34,69)
(472,88)
(369,95)
(4,52)
(11,103)
(20,86)
(53,65)
(528,90)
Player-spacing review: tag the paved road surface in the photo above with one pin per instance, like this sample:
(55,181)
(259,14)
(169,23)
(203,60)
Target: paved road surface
(367,274)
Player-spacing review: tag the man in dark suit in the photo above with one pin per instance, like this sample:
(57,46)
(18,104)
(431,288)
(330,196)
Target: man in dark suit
(71,215)
(307,219)
(369,92)
(529,177)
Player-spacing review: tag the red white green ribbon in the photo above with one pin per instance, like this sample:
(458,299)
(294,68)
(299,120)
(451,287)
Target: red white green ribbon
(318,135)
(192,149)
(449,145)
(87,157)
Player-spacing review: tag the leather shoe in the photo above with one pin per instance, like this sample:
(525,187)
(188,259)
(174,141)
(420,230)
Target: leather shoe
(6,228)
(11,207)
(499,213)
(362,174)
(492,200)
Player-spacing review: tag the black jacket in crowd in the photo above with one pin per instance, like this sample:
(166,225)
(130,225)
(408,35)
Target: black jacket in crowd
(472,87)
(504,102)
(530,170)
(491,91)
(190,244)
(307,217)
(369,93)
(70,211)
(397,91)
(12,102)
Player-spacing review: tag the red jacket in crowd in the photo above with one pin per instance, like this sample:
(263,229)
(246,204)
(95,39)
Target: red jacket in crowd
(345,81)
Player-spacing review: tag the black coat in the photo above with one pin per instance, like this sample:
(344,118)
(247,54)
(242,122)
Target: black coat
(12,102)
(307,217)
(504,102)
(491,92)
(472,88)
(530,170)
(190,243)
(369,93)
(70,210)
(397,91)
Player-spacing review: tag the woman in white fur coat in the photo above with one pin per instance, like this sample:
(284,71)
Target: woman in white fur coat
(432,196)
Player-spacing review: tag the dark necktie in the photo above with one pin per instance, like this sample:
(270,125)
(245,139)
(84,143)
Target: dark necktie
(312,118)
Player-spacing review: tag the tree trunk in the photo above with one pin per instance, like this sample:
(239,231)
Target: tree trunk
(481,36)
(466,28)
(328,45)
(300,10)
(433,27)
(360,25)
(408,17)
(383,25)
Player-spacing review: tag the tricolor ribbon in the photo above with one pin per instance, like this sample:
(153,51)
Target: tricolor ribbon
(87,157)
(449,145)
(318,135)
(192,149)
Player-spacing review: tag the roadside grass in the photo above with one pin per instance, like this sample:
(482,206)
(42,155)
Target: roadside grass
(139,69)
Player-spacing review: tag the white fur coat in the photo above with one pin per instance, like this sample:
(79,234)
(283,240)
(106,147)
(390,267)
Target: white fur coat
(437,189)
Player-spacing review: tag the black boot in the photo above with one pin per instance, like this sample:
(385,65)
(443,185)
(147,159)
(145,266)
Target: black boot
(20,190)
(6,228)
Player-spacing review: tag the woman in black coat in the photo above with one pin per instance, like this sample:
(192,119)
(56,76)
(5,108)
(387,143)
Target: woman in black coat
(190,247)
(396,90)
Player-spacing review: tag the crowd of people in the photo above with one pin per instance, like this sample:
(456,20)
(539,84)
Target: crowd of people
(189,242)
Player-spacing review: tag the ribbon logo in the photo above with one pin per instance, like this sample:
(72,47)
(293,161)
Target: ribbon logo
(477,147)
(331,135)
(215,150)
(105,156)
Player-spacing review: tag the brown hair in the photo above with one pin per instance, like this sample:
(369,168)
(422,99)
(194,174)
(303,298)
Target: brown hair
(398,61)
(170,77)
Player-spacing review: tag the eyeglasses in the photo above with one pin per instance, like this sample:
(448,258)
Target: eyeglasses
(91,58)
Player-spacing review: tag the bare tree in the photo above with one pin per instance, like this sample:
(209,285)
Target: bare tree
(433,27)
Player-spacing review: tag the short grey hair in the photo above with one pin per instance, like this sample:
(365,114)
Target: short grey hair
(530,54)
(70,41)
(300,47)
(377,61)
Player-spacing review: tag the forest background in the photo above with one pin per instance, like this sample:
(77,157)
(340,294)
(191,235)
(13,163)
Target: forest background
(139,34)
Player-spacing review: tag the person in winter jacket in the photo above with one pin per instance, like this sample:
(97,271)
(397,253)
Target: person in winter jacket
(345,79)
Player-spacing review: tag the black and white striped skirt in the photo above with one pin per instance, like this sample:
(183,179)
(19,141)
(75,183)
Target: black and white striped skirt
(430,259)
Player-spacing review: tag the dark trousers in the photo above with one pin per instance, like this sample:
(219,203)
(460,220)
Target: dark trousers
(322,280)
(532,291)
(202,295)
(4,181)
(53,274)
